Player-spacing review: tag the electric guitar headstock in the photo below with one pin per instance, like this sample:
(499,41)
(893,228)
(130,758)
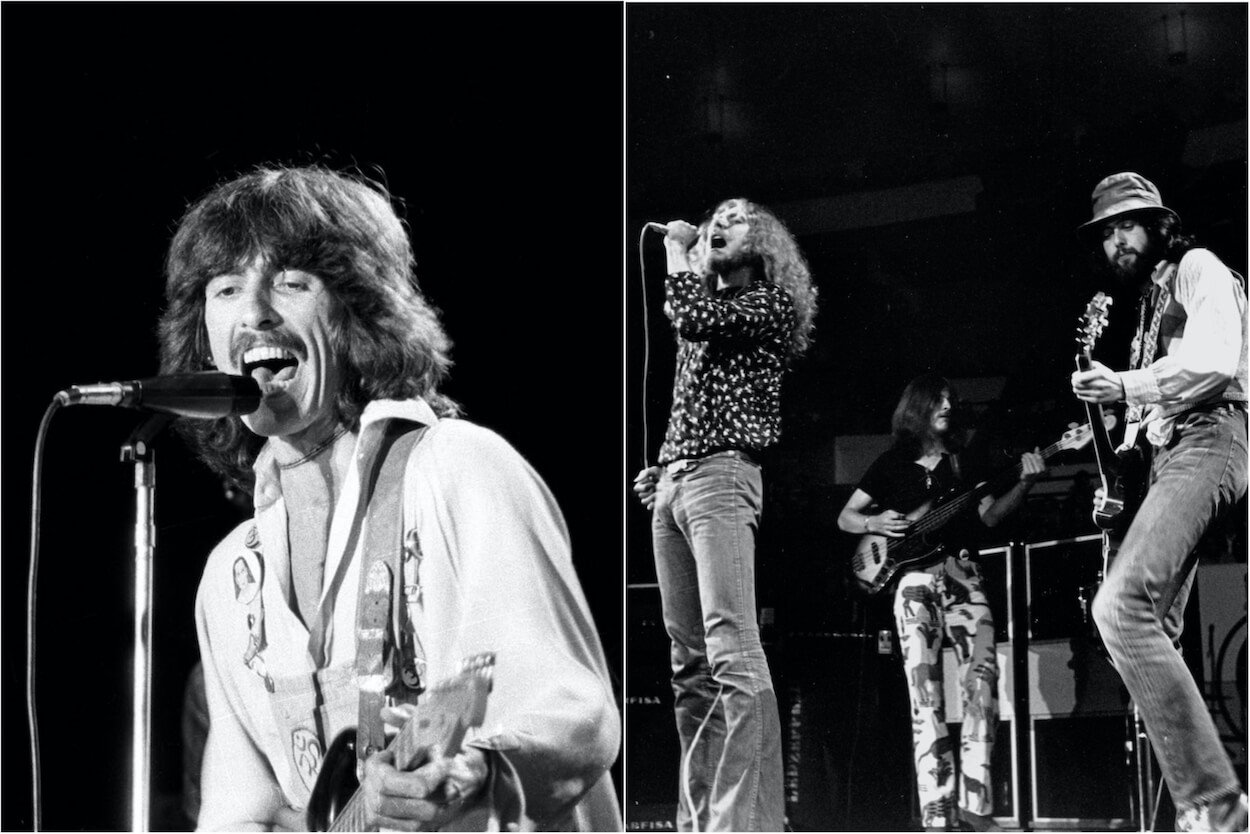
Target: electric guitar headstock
(1093,322)
(1080,436)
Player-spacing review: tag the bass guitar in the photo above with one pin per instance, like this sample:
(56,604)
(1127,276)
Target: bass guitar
(878,559)
(444,715)
(1120,471)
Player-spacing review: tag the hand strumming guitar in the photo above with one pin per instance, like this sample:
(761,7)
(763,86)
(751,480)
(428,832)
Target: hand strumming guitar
(889,523)
(427,797)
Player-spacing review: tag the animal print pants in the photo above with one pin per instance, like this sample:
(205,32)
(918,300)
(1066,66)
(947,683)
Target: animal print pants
(946,601)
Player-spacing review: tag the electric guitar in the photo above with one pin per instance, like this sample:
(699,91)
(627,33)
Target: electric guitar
(878,558)
(444,715)
(1121,472)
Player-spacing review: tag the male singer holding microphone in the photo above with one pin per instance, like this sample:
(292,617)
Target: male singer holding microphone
(303,279)
(741,301)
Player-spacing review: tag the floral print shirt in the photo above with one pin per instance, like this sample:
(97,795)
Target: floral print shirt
(732,347)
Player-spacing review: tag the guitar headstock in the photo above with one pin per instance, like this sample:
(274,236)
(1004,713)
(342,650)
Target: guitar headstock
(1093,321)
(1080,436)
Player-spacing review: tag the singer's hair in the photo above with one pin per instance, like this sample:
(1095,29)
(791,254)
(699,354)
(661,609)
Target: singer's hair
(341,227)
(913,416)
(770,241)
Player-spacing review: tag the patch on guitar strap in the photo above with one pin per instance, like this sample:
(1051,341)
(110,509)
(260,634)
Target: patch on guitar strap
(410,659)
(248,577)
(306,755)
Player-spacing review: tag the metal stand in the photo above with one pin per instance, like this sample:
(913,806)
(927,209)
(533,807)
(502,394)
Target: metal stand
(138,450)
(1018,625)
(1146,799)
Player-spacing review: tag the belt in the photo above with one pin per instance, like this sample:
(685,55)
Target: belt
(686,464)
(1234,405)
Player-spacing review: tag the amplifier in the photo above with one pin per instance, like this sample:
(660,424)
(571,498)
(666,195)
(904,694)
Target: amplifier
(1066,677)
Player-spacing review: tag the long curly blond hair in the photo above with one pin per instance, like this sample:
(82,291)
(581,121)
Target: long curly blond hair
(769,240)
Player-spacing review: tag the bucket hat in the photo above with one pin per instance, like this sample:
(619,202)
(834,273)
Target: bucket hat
(1121,194)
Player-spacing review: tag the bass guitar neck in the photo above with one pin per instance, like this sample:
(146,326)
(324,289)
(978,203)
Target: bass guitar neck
(878,559)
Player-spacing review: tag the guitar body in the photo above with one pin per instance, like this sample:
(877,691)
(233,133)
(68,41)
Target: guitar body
(878,559)
(1125,490)
(447,712)
(336,783)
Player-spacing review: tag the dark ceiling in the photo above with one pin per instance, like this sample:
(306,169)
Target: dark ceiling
(794,101)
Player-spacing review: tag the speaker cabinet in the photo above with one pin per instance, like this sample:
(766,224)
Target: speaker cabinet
(846,730)
(1083,777)
(652,751)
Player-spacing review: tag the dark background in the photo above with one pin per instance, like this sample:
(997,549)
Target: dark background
(866,127)
(498,125)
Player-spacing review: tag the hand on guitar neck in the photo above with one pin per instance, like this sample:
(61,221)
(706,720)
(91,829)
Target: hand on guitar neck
(1097,384)
(892,542)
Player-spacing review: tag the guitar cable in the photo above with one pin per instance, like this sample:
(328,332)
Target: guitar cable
(36,506)
(685,763)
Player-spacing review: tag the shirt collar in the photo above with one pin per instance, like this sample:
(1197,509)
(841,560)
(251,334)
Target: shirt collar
(1162,275)
(375,416)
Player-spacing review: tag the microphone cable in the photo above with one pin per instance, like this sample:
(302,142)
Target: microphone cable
(36,506)
(646,344)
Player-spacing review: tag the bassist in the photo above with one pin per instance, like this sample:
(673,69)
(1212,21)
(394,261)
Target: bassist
(1186,394)
(942,601)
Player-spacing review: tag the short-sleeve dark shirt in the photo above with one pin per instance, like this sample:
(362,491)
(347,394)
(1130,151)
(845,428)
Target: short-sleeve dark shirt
(896,482)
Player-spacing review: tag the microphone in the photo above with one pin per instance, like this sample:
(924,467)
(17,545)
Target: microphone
(205,395)
(662,228)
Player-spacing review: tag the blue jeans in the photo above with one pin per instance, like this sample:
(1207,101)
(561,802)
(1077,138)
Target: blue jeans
(704,527)
(1195,481)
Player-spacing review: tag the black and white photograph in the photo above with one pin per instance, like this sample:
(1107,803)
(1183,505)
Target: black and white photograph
(366,247)
(901,279)
(625,416)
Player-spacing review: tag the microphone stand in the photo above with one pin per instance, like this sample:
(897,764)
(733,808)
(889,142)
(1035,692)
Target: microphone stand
(138,450)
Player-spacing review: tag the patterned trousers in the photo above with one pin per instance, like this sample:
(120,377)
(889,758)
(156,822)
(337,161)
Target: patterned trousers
(946,602)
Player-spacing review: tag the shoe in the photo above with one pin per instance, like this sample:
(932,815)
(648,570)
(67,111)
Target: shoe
(969,821)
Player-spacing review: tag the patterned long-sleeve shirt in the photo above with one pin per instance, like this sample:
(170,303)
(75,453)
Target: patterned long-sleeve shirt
(732,347)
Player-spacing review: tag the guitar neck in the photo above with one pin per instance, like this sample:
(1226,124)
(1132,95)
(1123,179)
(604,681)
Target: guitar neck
(1104,453)
(943,513)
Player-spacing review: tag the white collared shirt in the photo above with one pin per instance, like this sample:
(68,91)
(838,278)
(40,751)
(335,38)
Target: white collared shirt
(1206,351)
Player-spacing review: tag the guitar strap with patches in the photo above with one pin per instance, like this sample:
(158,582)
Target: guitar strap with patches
(389,661)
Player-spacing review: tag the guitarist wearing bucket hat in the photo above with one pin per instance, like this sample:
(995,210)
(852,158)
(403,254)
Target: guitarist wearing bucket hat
(1185,392)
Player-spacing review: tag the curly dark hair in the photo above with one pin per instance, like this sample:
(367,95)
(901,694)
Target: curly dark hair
(340,227)
(912,422)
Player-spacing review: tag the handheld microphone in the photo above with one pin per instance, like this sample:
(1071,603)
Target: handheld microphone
(205,395)
(658,227)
